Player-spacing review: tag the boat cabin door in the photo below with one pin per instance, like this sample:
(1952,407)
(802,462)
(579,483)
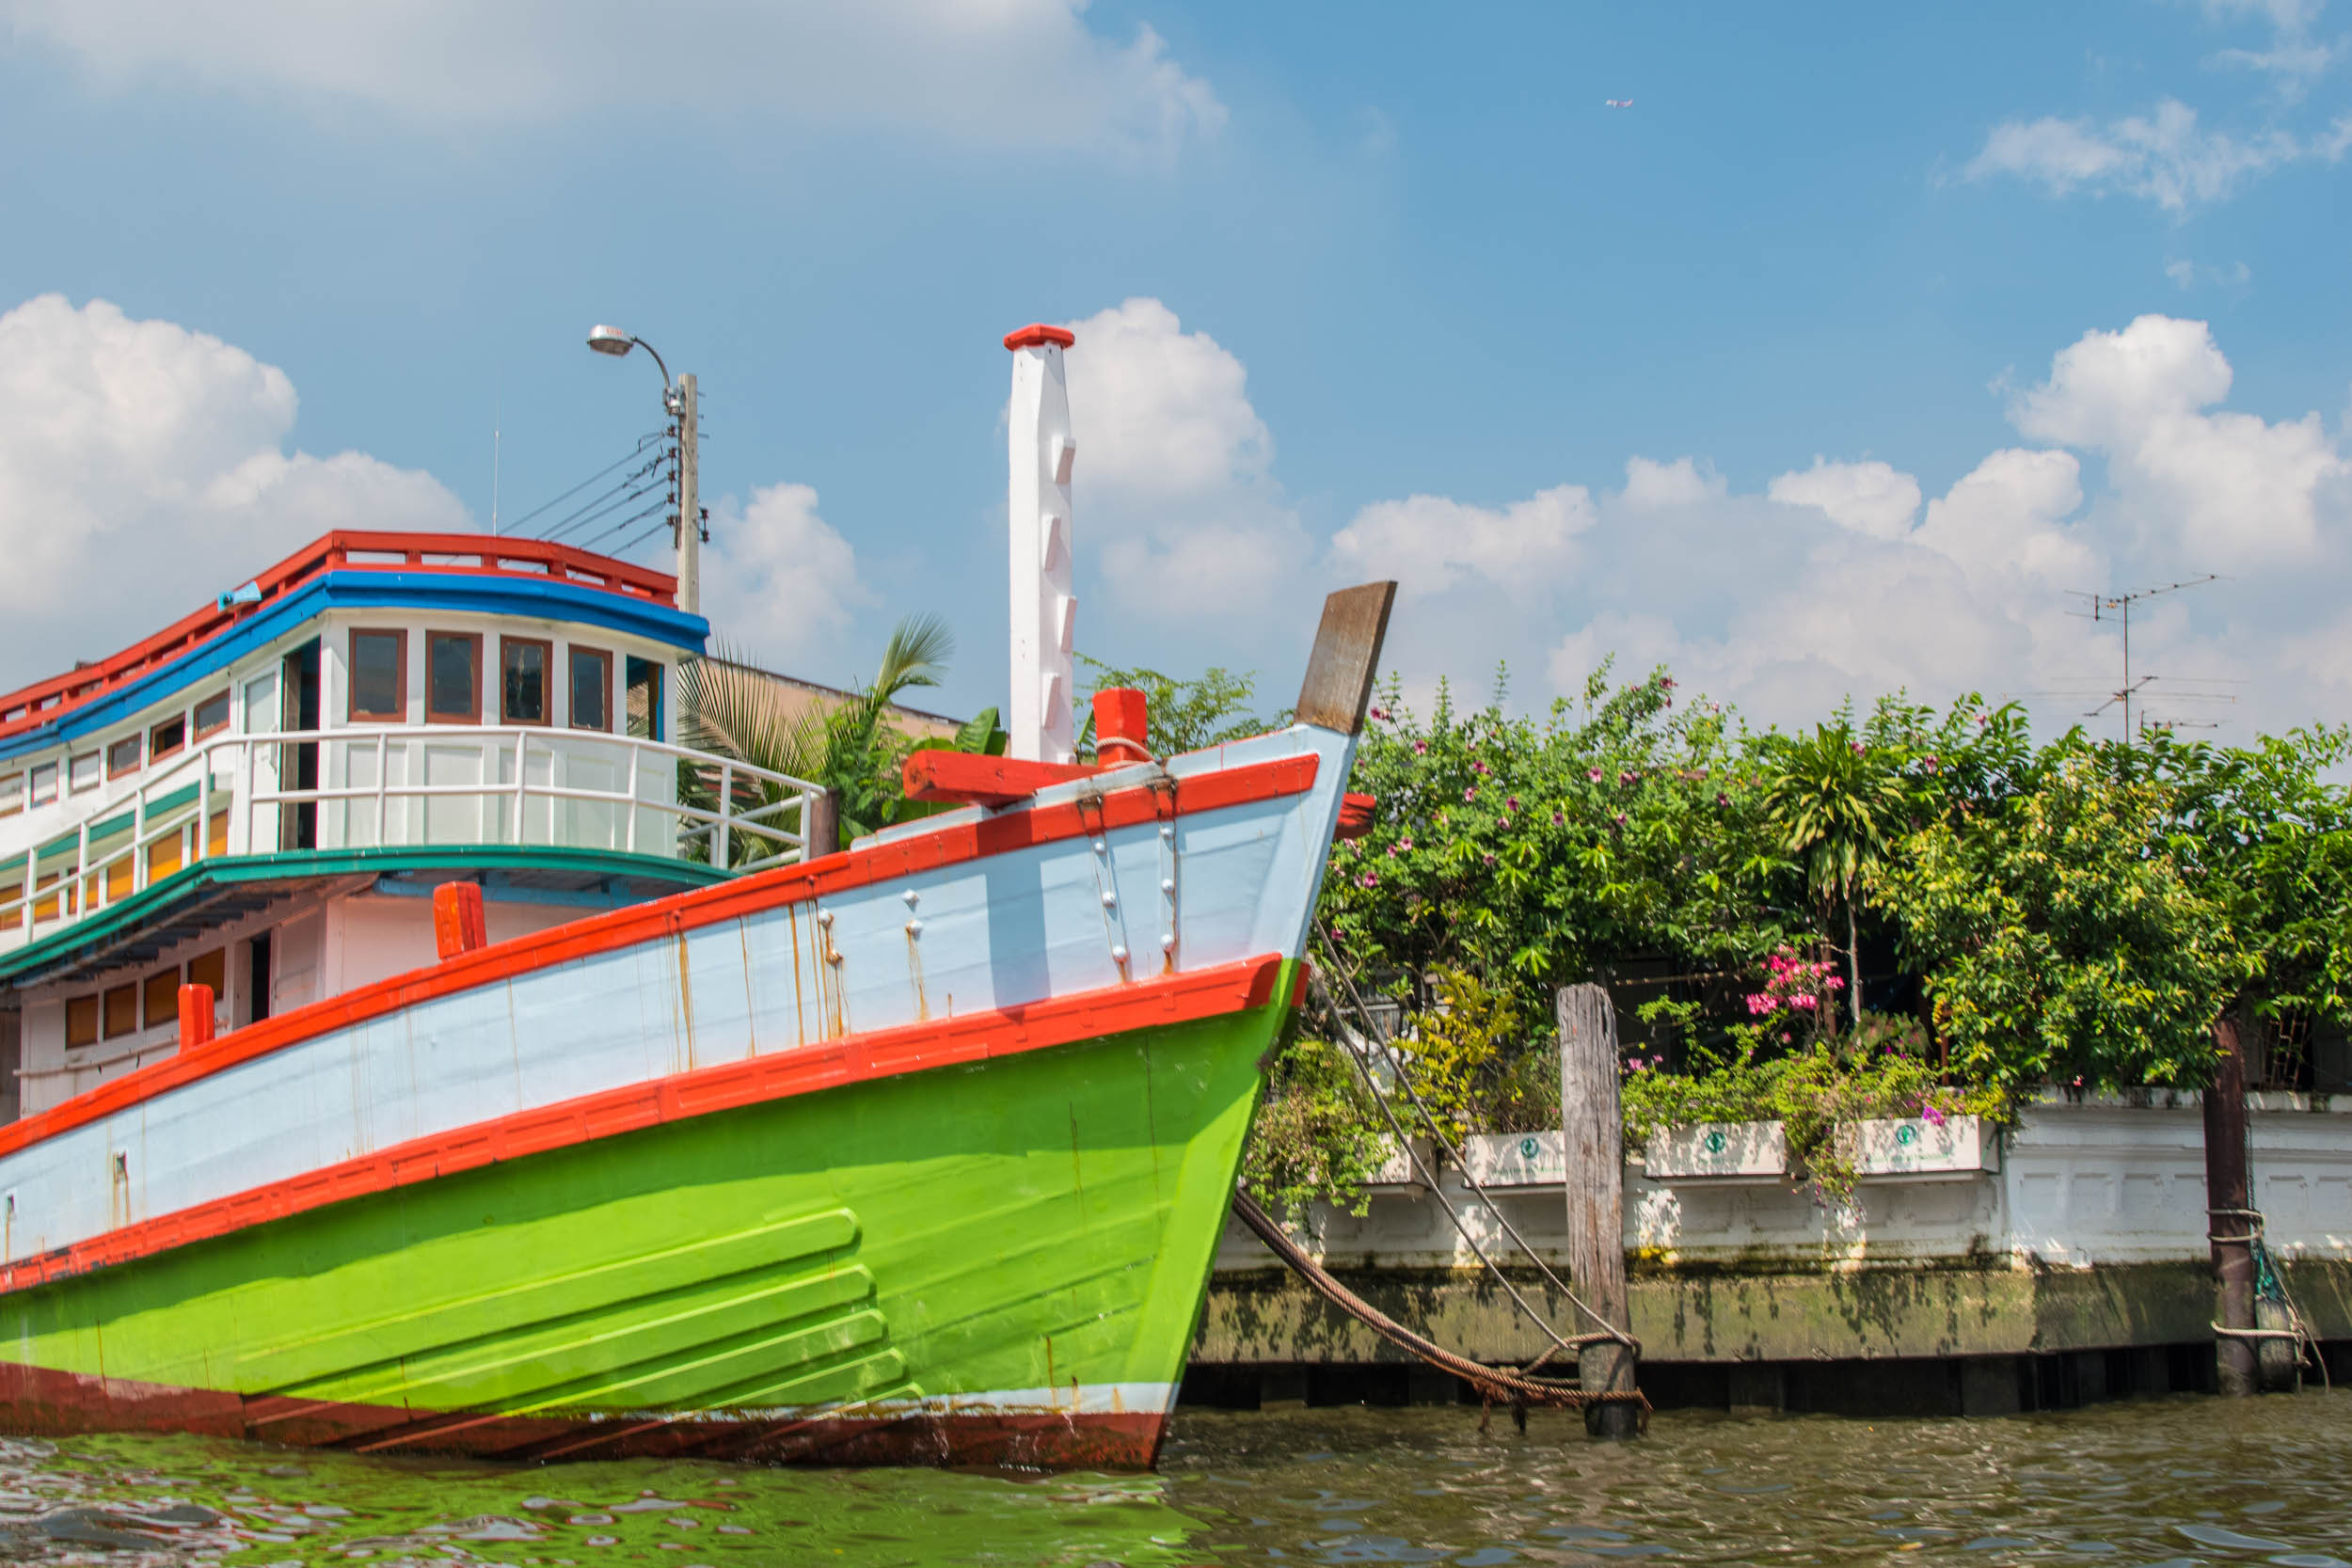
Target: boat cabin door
(298,764)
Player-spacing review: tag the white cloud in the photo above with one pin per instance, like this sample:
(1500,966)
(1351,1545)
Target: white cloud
(1850,577)
(1023,72)
(143,468)
(1871,498)
(779,582)
(2163,157)
(1173,493)
(2222,487)
(1430,543)
(2292,59)
(1651,486)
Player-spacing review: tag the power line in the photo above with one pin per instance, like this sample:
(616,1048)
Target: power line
(629,457)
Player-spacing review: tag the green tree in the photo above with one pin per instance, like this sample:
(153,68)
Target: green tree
(2061,932)
(1833,798)
(731,710)
(1534,852)
(1180,714)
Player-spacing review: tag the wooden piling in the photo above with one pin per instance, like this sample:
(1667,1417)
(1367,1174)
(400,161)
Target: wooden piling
(2228,1220)
(1594,1136)
(821,834)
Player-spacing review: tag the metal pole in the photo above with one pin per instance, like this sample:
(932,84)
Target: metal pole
(690,516)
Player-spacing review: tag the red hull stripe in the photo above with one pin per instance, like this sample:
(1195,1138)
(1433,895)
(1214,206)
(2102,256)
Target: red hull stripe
(666,918)
(804,1070)
(44,1400)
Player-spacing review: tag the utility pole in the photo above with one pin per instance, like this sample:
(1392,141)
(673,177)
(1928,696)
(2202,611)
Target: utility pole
(689,514)
(677,397)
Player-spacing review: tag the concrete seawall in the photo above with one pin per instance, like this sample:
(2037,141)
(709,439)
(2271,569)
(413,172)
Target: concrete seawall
(2075,1269)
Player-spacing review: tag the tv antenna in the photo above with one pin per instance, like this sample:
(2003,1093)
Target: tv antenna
(2117,608)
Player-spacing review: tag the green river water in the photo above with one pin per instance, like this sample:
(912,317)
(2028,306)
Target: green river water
(2175,1481)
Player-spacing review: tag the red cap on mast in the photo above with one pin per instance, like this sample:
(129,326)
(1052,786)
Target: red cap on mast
(1037,334)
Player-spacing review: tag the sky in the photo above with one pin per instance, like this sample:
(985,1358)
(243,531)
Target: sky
(1843,361)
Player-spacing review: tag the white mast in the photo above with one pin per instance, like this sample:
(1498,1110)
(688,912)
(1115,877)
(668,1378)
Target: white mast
(1044,609)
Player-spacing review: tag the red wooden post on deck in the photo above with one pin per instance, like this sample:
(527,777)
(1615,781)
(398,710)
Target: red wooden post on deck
(1122,727)
(196,1016)
(458,923)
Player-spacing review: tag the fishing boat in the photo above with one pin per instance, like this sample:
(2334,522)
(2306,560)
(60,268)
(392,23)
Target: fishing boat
(403,1062)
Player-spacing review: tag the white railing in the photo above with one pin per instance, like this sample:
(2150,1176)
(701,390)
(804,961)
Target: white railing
(402,785)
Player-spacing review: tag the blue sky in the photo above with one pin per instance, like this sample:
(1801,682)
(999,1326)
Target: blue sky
(1376,290)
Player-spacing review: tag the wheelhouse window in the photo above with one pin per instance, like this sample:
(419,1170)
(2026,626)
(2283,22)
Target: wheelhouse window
(44,782)
(81,772)
(167,737)
(212,713)
(452,677)
(81,1021)
(380,678)
(123,756)
(591,690)
(523,680)
(11,794)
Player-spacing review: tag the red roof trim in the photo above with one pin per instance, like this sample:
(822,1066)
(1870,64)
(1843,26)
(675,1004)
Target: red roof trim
(804,1070)
(471,554)
(674,914)
(1037,334)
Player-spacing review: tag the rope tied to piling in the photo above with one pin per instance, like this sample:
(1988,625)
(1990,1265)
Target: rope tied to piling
(2270,1285)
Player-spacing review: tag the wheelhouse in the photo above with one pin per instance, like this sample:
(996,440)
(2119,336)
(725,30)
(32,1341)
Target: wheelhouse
(262,797)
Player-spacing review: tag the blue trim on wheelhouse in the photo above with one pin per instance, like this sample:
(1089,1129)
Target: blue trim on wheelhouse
(476,594)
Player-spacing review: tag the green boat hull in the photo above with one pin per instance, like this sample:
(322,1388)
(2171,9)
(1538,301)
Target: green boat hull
(999,1261)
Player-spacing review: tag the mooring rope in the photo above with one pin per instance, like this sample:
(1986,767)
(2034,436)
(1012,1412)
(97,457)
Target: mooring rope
(1495,1384)
(1396,1064)
(2270,1284)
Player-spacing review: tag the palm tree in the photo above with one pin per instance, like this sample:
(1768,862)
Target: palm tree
(729,709)
(1833,800)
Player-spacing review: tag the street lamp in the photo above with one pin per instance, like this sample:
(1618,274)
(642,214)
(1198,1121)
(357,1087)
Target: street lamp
(680,399)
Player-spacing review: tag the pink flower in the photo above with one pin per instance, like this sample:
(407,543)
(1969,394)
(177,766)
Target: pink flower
(1620,819)
(1626,777)
(1666,681)
(1722,799)
(1370,880)
(1834,982)
(1558,820)
(1506,822)
(1857,748)
(1934,1117)
(1405,843)
(1633,1064)
(1478,767)
(1490,859)
(1593,775)
(1470,792)
(1380,713)
(1802,1001)
(1510,802)
(1420,747)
